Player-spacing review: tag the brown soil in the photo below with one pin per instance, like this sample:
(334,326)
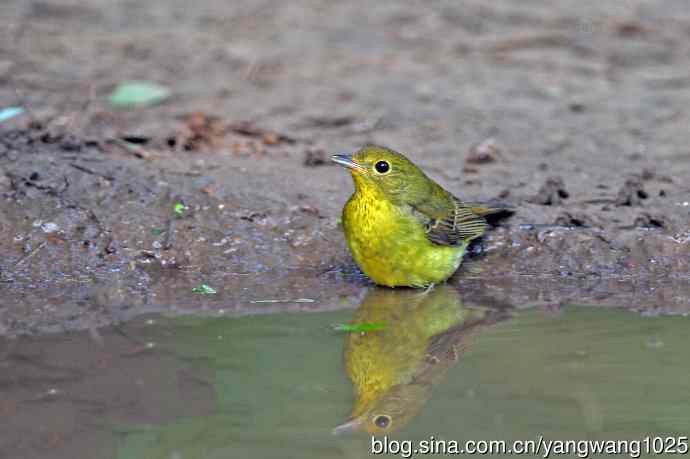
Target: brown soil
(575,112)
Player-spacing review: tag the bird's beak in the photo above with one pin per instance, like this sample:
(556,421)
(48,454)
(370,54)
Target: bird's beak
(347,161)
(348,426)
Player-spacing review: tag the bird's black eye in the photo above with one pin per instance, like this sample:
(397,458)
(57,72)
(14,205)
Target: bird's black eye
(382,167)
(382,421)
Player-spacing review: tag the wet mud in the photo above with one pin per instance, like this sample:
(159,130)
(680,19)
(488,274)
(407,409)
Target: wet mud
(576,116)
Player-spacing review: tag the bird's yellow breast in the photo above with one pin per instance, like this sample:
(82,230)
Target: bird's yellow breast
(391,246)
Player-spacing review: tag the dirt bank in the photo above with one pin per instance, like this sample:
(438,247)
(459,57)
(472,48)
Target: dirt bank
(574,112)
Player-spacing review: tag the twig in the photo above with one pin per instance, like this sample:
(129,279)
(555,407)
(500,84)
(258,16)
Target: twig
(539,41)
(86,170)
(130,148)
(30,254)
(168,241)
(298,300)
(249,129)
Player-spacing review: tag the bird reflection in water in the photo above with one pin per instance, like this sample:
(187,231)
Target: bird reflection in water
(394,370)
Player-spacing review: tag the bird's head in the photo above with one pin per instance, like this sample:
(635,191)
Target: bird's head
(389,412)
(380,169)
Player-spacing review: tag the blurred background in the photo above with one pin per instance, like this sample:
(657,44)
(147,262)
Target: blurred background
(596,78)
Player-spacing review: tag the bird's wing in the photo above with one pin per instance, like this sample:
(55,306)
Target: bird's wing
(445,349)
(450,222)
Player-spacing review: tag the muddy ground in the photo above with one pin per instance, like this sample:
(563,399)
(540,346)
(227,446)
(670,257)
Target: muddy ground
(576,112)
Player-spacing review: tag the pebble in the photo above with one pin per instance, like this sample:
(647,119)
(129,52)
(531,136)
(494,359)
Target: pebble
(50,227)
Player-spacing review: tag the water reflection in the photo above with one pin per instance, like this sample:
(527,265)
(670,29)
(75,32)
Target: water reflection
(191,387)
(394,370)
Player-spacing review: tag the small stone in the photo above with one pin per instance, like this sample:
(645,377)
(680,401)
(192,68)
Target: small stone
(50,227)
(648,221)
(631,193)
(484,152)
(314,157)
(576,107)
(552,193)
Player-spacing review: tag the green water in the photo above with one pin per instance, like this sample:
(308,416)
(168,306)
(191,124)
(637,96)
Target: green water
(279,385)
(275,386)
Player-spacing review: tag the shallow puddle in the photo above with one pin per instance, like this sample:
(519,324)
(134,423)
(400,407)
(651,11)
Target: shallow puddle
(277,385)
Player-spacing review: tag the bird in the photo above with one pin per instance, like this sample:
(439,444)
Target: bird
(404,229)
(394,370)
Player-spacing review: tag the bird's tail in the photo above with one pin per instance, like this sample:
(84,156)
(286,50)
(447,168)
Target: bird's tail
(493,210)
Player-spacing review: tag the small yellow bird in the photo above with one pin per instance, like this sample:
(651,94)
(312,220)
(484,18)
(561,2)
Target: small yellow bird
(404,229)
(394,370)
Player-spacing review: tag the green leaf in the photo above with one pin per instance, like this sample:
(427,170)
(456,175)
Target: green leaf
(10,112)
(138,94)
(157,231)
(360,327)
(179,208)
(204,290)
